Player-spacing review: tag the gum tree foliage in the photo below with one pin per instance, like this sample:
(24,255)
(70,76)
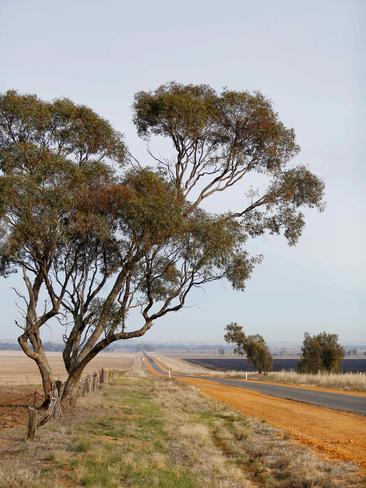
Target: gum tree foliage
(253,347)
(96,234)
(321,352)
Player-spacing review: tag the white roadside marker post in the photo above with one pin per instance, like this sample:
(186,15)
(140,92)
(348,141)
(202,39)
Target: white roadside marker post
(246,375)
(170,374)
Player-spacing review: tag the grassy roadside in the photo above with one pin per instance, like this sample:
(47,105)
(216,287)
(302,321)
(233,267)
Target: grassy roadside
(345,382)
(354,382)
(143,432)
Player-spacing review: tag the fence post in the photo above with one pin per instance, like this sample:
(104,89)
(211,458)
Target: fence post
(95,381)
(58,392)
(89,383)
(32,423)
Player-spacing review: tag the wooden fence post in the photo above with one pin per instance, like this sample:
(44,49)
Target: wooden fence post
(58,392)
(32,423)
(96,380)
(90,383)
(84,387)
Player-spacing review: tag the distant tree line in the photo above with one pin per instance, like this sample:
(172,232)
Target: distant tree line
(351,352)
(126,346)
(9,346)
(14,346)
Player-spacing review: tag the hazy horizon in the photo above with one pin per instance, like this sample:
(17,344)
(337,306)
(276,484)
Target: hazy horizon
(196,344)
(307,57)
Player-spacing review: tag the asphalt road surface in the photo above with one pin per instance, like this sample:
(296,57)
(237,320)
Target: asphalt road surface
(337,401)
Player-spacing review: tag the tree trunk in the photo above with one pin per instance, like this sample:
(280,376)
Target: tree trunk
(71,388)
(36,353)
(46,375)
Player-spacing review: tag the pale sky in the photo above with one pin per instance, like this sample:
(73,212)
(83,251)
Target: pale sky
(307,56)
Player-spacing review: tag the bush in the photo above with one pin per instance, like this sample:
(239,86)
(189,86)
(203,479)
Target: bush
(321,353)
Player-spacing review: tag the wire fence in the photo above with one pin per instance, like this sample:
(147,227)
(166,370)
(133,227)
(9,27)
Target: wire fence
(31,397)
(40,412)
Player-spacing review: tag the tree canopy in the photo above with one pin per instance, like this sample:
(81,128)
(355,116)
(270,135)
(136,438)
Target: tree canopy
(96,234)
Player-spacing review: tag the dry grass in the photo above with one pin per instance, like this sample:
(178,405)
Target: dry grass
(124,436)
(18,475)
(137,369)
(191,441)
(177,365)
(17,369)
(345,381)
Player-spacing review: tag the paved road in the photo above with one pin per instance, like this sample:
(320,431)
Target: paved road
(337,401)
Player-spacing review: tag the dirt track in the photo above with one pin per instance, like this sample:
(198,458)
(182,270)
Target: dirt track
(335,434)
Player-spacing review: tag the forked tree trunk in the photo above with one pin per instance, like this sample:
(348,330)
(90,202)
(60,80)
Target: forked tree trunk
(43,365)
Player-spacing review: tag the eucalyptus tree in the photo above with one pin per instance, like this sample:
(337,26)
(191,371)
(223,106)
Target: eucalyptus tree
(96,234)
(320,353)
(253,347)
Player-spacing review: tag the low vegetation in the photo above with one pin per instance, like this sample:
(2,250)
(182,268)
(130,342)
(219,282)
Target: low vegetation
(142,432)
(345,381)
(178,365)
(342,381)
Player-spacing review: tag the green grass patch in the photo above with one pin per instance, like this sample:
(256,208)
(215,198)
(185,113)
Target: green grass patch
(123,447)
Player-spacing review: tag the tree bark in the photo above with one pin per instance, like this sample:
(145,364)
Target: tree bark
(40,359)
(71,388)
(46,374)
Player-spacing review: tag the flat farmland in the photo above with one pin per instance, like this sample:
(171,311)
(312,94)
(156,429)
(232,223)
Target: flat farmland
(19,378)
(279,364)
(17,369)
